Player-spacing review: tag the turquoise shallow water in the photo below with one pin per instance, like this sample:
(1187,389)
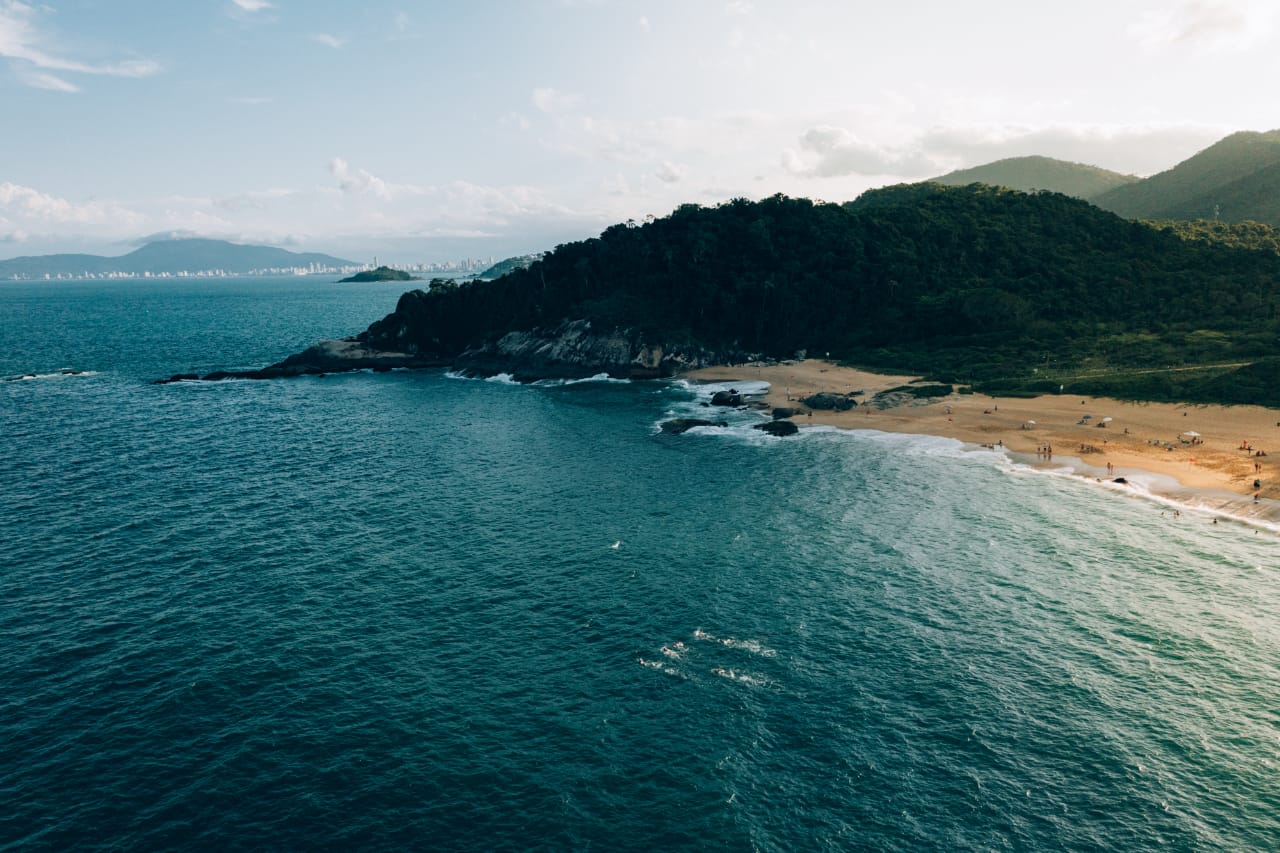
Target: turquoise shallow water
(385,611)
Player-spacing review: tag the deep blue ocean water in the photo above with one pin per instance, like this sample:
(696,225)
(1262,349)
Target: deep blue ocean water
(410,611)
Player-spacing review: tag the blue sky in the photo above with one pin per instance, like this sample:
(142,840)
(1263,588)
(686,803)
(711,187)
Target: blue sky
(430,130)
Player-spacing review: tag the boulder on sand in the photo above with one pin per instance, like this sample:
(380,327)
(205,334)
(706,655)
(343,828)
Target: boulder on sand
(830,402)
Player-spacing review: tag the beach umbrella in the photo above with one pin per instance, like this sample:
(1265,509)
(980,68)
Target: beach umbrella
(1192,433)
(1085,417)
(1033,423)
(1106,420)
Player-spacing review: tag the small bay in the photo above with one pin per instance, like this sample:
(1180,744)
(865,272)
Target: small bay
(401,610)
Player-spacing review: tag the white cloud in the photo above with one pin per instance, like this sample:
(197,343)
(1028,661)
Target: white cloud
(553,102)
(670,173)
(358,181)
(251,100)
(20,42)
(329,40)
(251,5)
(827,152)
(401,22)
(1207,25)
(644,23)
(31,204)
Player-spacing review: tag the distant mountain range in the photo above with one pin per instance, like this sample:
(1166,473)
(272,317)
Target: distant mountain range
(1237,179)
(1041,173)
(170,257)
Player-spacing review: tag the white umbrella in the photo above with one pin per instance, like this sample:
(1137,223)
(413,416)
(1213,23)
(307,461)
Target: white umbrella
(1106,420)
(1192,433)
(1031,422)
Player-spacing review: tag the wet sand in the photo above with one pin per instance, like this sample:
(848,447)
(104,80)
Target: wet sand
(1140,438)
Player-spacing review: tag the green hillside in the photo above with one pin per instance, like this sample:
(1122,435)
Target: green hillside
(1014,291)
(1040,173)
(506,265)
(382,273)
(1235,180)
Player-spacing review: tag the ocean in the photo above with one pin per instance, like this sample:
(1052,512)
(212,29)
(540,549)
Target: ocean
(411,610)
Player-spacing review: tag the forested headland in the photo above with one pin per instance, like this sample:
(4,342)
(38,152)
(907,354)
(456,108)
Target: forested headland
(1013,292)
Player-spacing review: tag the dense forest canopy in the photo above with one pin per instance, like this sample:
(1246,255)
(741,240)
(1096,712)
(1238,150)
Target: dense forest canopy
(972,283)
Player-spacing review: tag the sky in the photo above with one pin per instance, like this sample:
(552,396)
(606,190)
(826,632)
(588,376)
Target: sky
(430,131)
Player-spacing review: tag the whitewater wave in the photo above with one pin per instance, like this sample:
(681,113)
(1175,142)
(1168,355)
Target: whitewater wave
(664,668)
(497,378)
(61,373)
(705,390)
(755,647)
(747,678)
(1159,489)
(599,377)
(509,379)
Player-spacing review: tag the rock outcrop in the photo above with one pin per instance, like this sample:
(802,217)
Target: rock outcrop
(731,398)
(324,357)
(574,350)
(780,428)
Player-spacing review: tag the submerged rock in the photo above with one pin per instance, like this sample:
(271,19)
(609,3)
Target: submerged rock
(675,426)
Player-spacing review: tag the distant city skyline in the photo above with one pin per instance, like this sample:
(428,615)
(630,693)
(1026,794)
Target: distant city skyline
(429,132)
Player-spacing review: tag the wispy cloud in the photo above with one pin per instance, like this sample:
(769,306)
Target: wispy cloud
(827,152)
(251,5)
(552,101)
(329,40)
(21,42)
(44,80)
(1206,25)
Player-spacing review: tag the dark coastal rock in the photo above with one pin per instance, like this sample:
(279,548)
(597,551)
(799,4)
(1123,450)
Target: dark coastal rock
(779,428)
(1121,480)
(324,357)
(830,402)
(675,426)
(730,398)
(781,412)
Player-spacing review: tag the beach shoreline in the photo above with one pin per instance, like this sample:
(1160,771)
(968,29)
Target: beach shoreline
(1215,458)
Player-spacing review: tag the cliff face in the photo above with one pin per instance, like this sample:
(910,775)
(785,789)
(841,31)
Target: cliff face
(575,350)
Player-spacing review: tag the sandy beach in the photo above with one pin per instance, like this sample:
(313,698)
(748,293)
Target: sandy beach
(1217,451)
